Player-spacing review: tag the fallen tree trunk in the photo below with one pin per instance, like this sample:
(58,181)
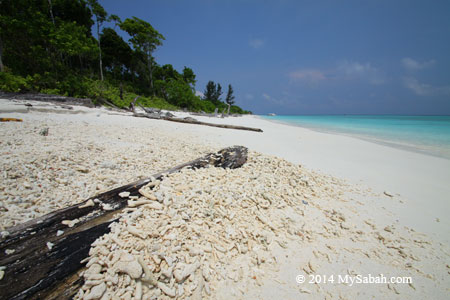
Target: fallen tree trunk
(42,257)
(193,121)
(213,124)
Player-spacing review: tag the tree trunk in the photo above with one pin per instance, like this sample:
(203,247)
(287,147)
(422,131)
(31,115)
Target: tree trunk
(150,71)
(193,121)
(99,51)
(2,68)
(39,270)
(50,6)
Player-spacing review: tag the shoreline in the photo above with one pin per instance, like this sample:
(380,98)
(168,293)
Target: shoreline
(414,178)
(304,203)
(415,148)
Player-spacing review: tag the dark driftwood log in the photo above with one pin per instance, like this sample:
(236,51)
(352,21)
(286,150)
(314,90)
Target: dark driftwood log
(133,104)
(33,271)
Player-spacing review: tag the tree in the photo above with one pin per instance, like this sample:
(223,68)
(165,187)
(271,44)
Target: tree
(218,93)
(230,97)
(50,8)
(179,93)
(210,91)
(213,93)
(100,17)
(144,38)
(189,77)
(116,52)
(116,19)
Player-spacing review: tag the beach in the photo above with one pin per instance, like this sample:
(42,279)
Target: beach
(306,203)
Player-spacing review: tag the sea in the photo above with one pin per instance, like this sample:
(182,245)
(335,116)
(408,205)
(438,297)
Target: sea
(425,134)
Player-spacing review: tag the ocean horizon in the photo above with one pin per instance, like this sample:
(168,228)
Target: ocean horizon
(428,134)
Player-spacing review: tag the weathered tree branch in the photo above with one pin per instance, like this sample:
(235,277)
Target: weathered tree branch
(37,270)
(193,121)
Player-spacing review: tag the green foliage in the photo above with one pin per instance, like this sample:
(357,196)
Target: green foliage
(102,90)
(117,54)
(144,39)
(48,47)
(230,97)
(217,94)
(13,83)
(189,76)
(179,93)
(210,91)
(204,105)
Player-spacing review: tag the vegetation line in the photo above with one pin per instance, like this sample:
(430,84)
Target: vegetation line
(47,46)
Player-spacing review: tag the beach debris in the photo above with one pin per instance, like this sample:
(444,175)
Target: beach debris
(10,120)
(207,217)
(82,169)
(389,194)
(87,204)
(50,245)
(70,223)
(44,131)
(96,292)
(88,223)
(124,194)
(129,265)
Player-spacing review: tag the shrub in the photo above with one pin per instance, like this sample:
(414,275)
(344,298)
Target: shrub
(13,83)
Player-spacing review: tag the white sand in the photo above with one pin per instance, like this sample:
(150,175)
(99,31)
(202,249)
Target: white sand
(420,181)
(346,229)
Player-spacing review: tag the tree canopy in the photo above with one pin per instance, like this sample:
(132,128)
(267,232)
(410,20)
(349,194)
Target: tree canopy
(230,97)
(47,46)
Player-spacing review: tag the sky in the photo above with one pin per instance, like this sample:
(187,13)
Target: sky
(309,57)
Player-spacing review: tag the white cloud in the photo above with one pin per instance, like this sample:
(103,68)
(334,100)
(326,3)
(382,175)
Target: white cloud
(198,93)
(344,70)
(354,68)
(256,43)
(357,70)
(271,99)
(413,65)
(424,89)
(310,76)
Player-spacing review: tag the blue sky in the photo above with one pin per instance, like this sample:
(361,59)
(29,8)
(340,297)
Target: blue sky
(309,57)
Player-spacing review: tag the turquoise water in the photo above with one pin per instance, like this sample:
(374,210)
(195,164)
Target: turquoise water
(426,134)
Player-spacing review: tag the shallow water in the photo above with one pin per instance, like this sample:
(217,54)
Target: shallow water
(425,134)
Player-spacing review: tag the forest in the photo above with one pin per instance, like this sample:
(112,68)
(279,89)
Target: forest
(74,48)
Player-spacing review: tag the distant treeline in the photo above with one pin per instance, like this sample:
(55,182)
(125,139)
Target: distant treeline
(47,46)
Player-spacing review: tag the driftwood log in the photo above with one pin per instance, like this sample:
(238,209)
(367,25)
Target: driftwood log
(193,121)
(35,269)
(213,124)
